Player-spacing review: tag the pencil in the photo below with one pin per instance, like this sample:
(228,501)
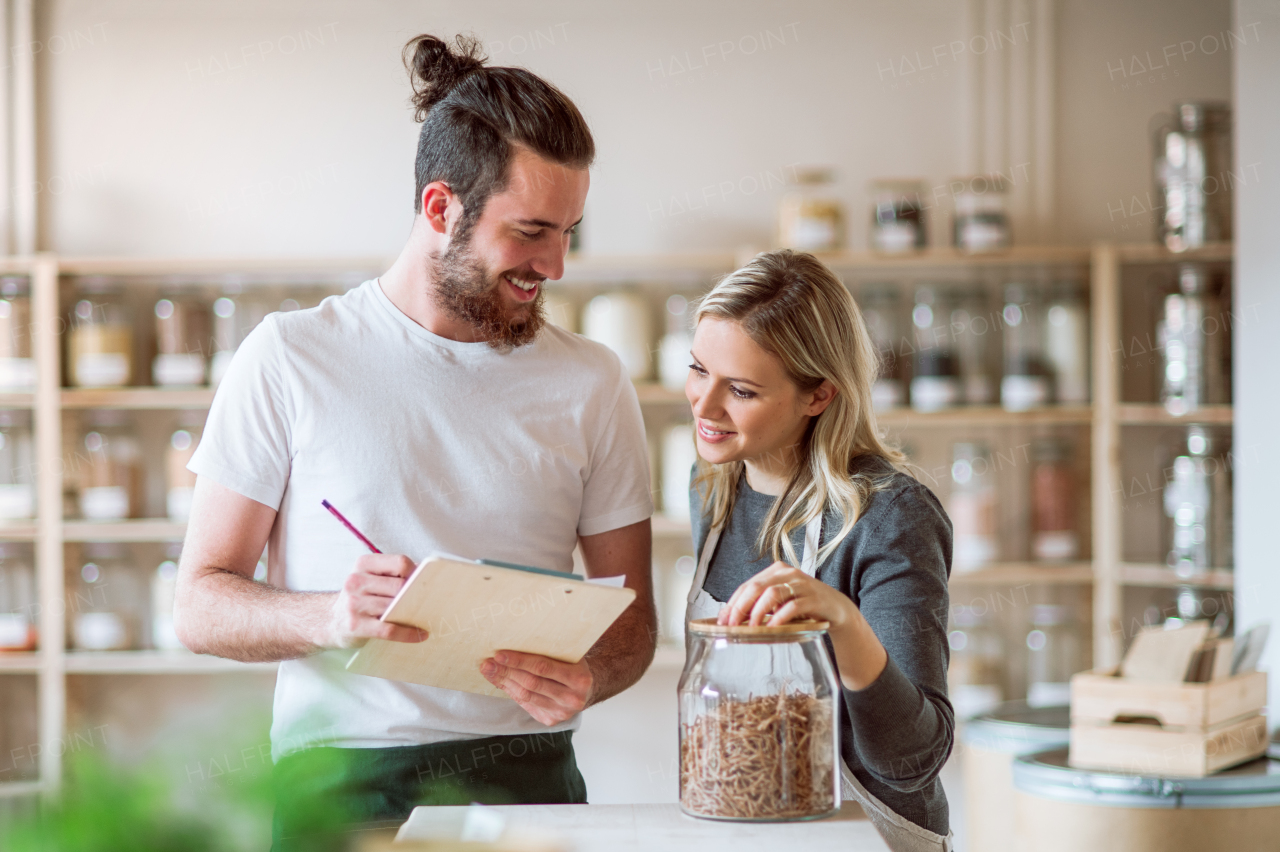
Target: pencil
(349,525)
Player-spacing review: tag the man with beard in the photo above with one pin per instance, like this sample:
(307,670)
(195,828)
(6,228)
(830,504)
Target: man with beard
(441,413)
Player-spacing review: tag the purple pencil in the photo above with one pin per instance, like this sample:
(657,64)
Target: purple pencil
(349,525)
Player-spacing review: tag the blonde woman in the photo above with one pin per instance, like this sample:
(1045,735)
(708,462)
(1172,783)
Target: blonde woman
(799,511)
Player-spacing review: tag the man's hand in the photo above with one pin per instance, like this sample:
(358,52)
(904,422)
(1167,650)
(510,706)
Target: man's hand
(549,690)
(365,596)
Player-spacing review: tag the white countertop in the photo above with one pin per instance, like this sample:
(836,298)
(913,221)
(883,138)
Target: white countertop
(615,828)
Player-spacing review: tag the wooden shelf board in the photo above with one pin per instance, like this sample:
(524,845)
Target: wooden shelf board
(141,529)
(1016,573)
(20,662)
(213,266)
(1154,414)
(1160,576)
(137,398)
(1157,253)
(156,662)
(17,399)
(950,256)
(9,789)
(986,415)
(588,268)
(18,530)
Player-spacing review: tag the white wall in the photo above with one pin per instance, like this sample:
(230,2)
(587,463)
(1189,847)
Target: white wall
(271,127)
(1258,294)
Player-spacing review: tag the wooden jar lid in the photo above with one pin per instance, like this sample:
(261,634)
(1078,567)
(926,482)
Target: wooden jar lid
(708,627)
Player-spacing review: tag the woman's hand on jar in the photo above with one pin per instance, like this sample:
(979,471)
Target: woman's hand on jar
(786,594)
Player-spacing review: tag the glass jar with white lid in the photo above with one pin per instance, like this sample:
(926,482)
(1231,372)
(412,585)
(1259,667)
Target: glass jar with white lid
(100,349)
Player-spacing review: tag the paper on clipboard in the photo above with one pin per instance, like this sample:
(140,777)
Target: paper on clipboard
(471,610)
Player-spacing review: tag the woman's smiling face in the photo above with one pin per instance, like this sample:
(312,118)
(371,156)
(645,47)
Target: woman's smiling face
(745,406)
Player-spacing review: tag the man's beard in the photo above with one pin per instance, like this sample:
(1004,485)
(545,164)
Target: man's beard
(465,291)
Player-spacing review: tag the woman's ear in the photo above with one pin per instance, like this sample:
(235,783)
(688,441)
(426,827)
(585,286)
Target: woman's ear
(821,398)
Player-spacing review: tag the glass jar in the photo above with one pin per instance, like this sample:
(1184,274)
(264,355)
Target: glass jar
(1053,502)
(17,367)
(975,676)
(182,335)
(1191,338)
(621,321)
(882,314)
(935,384)
(981,221)
(972,507)
(17,466)
(1197,506)
(18,599)
(164,584)
(1193,162)
(234,316)
(101,339)
(108,601)
(679,453)
(1066,343)
(809,217)
(897,217)
(970,329)
(767,692)
(673,354)
(1053,655)
(182,482)
(1025,383)
(111,478)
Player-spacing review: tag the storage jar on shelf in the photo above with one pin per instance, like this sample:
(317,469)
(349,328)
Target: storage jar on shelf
(1025,383)
(164,584)
(1198,504)
(897,216)
(809,217)
(17,466)
(972,507)
(182,482)
(768,692)
(975,677)
(18,599)
(1054,654)
(881,312)
(1053,502)
(1066,342)
(981,220)
(678,457)
(935,384)
(234,316)
(17,367)
(108,601)
(100,350)
(1191,335)
(673,352)
(111,477)
(971,333)
(1193,175)
(620,320)
(182,342)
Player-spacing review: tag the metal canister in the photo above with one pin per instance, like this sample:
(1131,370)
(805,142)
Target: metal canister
(990,744)
(1193,175)
(1060,808)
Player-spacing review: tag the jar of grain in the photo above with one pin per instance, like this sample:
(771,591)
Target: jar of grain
(17,367)
(182,340)
(101,338)
(111,478)
(759,738)
(182,482)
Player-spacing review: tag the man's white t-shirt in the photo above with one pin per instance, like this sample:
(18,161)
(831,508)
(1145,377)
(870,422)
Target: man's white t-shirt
(425,444)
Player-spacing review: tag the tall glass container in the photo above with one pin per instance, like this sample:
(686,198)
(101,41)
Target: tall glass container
(234,316)
(164,584)
(17,367)
(882,314)
(109,602)
(972,507)
(18,599)
(975,677)
(1066,343)
(17,465)
(100,347)
(673,354)
(1053,502)
(971,333)
(935,384)
(1053,655)
(182,342)
(1191,337)
(182,482)
(111,477)
(768,692)
(1197,504)
(1192,173)
(1026,381)
(981,221)
(620,320)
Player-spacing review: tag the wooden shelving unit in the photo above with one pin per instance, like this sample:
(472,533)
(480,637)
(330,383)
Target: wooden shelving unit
(1104,421)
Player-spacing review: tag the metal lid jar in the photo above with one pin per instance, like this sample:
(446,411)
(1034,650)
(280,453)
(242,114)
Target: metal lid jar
(758,733)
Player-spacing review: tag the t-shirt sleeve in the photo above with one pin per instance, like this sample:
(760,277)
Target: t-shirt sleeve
(616,493)
(246,442)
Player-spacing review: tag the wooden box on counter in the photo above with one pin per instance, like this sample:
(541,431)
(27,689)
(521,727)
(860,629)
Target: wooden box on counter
(1166,729)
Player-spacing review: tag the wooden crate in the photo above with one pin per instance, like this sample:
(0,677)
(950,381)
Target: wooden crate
(1166,729)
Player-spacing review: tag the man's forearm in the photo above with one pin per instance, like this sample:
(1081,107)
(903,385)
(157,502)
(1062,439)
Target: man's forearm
(624,652)
(229,615)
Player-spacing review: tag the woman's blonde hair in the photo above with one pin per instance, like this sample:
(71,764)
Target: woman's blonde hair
(797,310)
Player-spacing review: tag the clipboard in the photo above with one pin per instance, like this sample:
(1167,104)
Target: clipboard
(471,610)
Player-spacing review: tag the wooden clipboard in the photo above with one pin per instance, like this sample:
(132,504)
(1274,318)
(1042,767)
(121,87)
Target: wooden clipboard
(471,610)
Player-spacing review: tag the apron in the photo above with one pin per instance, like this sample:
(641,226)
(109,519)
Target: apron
(901,834)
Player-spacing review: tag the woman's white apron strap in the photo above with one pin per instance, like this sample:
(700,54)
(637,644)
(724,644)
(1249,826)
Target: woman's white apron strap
(901,834)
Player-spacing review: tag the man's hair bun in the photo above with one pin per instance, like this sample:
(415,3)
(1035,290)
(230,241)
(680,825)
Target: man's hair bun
(434,67)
